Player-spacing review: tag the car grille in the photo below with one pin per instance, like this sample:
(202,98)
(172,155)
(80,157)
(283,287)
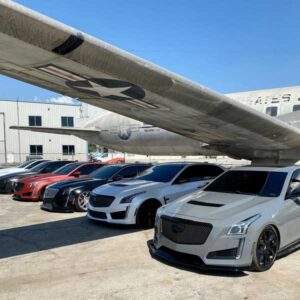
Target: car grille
(183,231)
(223,254)
(97,214)
(101,200)
(18,186)
(50,193)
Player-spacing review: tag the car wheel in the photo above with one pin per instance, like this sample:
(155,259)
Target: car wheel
(266,250)
(145,217)
(41,194)
(81,201)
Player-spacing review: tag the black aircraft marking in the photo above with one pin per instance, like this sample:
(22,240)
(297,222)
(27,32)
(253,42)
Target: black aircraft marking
(70,44)
(131,91)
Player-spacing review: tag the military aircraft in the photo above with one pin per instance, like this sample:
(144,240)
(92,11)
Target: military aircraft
(184,116)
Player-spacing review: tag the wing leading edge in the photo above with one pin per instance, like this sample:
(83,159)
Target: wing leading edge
(49,54)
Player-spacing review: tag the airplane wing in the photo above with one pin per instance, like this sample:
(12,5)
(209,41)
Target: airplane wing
(86,134)
(49,54)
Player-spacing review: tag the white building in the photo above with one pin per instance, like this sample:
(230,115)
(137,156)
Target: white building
(22,144)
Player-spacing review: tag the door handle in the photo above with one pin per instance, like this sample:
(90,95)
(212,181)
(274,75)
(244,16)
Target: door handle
(166,199)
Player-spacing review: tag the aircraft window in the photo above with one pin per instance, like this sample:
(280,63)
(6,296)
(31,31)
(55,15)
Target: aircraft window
(262,183)
(296,107)
(272,111)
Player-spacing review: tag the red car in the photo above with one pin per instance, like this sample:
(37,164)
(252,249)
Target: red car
(32,188)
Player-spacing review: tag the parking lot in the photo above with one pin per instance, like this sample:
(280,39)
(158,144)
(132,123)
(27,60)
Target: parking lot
(64,256)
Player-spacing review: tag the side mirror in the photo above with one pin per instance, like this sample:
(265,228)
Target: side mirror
(76,174)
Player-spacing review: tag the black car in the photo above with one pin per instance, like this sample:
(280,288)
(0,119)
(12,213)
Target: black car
(44,167)
(25,168)
(70,195)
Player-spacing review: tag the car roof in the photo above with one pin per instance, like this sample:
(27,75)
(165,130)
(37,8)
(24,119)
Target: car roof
(274,169)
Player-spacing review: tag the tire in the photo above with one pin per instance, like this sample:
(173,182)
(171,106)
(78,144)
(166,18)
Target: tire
(41,193)
(145,217)
(266,250)
(81,201)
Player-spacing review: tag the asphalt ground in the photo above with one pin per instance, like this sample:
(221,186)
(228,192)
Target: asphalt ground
(64,256)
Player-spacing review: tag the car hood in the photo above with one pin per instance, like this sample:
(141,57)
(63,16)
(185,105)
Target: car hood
(75,182)
(216,206)
(11,171)
(126,186)
(36,177)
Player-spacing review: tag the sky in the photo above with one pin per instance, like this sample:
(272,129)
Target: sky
(228,46)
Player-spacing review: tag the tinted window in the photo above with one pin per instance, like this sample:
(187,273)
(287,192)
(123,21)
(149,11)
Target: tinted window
(249,182)
(161,173)
(53,166)
(24,164)
(87,169)
(105,172)
(127,172)
(67,169)
(141,168)
(198,172)
(35,163)
(40,166)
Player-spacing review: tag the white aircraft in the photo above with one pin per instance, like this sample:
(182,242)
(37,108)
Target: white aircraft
(196,120)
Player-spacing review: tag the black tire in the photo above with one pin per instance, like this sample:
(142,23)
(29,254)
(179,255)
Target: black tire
(41,193)
(81,201)
(145,217)
(266,250)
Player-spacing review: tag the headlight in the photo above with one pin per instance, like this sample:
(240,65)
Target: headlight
(242,227)
(32,185)
(128,199)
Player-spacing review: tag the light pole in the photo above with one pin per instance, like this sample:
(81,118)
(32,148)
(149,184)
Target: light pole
(4,137)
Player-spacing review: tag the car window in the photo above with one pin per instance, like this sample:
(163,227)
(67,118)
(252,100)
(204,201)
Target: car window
(263,183)
(26,163)
(294,185)
(197,173)
(67,169)
(161,173)
(35,163)
(105,172)
(87,169)
(53,166)
(142,168)
(127,172)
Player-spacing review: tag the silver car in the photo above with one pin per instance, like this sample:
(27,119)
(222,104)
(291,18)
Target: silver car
(245,218)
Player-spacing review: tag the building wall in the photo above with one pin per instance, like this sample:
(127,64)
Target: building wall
(18,142)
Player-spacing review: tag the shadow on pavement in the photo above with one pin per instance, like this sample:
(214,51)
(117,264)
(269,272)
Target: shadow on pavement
(50,235)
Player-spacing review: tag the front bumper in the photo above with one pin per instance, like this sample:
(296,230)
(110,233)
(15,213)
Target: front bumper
(59,203)
(219,250)
(187,260)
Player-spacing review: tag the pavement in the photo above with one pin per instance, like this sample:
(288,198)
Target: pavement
(64,256)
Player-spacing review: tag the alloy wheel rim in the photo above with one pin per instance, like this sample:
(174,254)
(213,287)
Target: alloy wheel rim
(266,249)
(83,200)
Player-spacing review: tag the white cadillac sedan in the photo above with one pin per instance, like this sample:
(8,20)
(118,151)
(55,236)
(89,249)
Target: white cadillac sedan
(246,218)
(136,201)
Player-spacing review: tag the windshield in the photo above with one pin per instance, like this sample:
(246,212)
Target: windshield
(161,173)
(105,172)
(40,166)
(67,169)
(26,163)
(262,183)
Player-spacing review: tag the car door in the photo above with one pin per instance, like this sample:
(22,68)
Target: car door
(289,216)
